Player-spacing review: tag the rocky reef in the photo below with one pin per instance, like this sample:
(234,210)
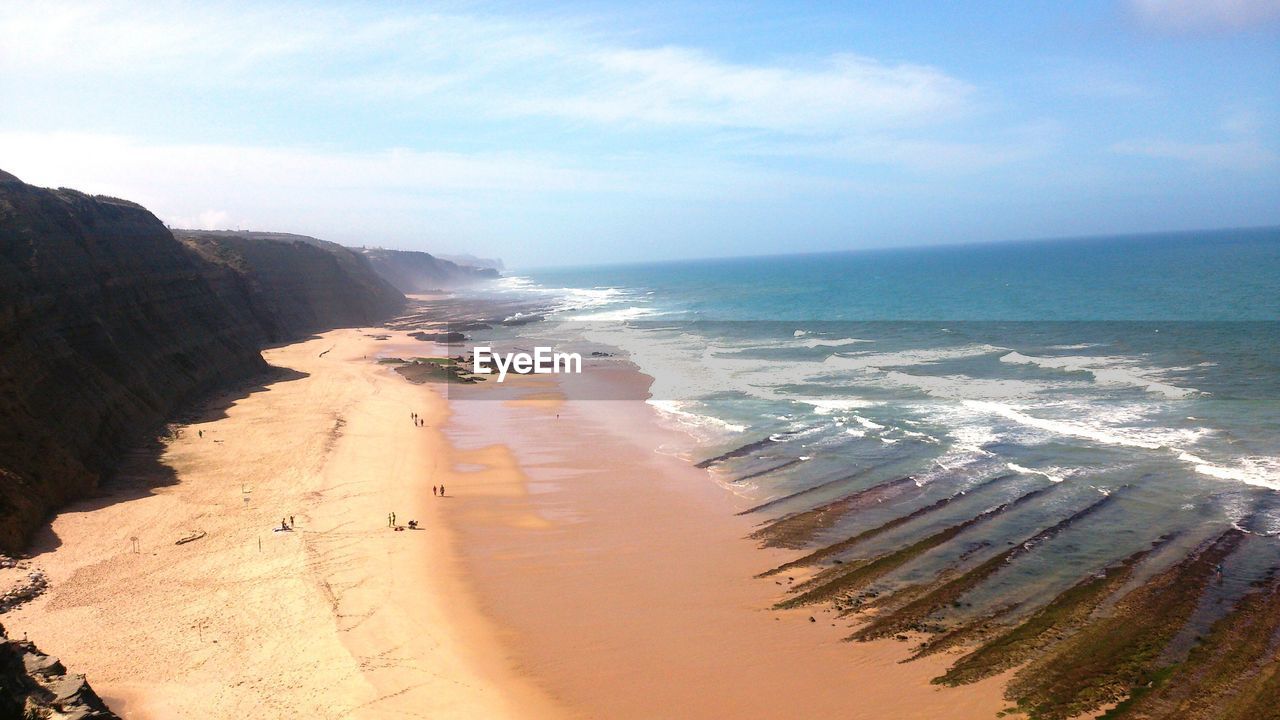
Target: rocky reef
(415,272)
(108,324)
(1004,572)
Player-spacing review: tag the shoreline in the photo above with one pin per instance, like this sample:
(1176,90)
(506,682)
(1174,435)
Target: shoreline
(535,589)
(636,593)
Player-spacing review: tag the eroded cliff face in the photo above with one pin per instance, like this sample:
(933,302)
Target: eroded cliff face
(297,284)
(413,272)
(108,324)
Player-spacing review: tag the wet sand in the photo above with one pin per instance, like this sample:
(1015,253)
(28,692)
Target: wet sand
(625,582)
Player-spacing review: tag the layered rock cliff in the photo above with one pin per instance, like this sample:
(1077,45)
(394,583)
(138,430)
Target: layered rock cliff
(108,324)
(413,272)
(298,284)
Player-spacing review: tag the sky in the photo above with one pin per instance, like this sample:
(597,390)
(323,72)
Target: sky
(553,133)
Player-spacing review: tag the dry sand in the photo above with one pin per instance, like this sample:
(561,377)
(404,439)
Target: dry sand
(572,572)
(341,617)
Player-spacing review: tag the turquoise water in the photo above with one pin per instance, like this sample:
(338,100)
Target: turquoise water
(1147,367)
(1223,275)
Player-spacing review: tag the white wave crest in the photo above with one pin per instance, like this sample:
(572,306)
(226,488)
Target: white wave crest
(633,312)
(1105,371)
(1060,427)
(1257,471)
(701,427)
(1052,476)
(828,406)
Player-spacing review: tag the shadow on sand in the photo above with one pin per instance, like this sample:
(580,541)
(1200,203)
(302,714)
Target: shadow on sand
(141,470)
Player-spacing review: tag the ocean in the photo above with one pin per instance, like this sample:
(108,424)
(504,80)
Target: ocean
(1145,369)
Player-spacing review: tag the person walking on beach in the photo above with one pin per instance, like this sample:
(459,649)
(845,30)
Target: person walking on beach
(442,490)
(388,519)
(393,519)
(433,490)
(290,521)
(200,433)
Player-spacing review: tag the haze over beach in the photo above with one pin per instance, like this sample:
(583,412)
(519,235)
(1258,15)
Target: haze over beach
(490,360)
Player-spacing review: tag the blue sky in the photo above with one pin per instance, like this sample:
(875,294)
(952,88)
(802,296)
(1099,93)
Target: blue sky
(554,133)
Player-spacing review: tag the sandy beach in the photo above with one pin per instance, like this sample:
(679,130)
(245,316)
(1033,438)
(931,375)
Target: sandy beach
(572,571)
(340,617)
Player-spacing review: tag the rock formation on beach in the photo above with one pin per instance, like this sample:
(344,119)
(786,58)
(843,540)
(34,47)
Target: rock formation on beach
(1182,624)
(415,272)
(35,685)
(108,324)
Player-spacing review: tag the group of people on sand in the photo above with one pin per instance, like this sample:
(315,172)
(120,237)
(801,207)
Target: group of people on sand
(436,490)
(417,421)
(286,524)
(391,523)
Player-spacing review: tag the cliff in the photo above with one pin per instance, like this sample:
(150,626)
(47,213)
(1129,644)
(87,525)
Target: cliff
(413,272)
(473,261)
(108,324)
(297,284)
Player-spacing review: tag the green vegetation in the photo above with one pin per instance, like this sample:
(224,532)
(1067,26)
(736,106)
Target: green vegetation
(1232,673)
(797,529)
(437,370)
(847,579)
(1107,660)
(836,548)
(910,616)
(844,579)
(1062,617)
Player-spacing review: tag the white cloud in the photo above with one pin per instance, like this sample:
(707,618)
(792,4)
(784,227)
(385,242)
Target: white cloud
(1193,15)
(679,86)
(427,200)
(494,68)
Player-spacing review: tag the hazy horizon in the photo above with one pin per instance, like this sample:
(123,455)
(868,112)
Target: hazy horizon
(893,248)
(595,132)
